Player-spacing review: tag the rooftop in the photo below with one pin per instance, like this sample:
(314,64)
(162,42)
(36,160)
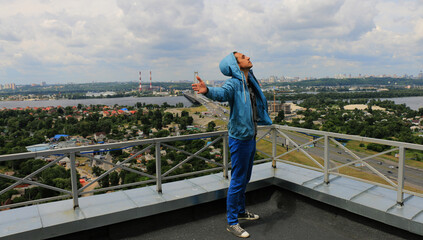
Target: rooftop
(282,196)
(283,215)
(299,202)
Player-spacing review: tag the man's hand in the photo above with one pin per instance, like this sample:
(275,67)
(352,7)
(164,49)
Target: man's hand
(199,87)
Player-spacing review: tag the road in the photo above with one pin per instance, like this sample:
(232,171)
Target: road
(84,173)
(212,107)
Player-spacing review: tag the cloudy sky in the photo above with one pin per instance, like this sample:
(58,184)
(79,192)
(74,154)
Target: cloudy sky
(111,40)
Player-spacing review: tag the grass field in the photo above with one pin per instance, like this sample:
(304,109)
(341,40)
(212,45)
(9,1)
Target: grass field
(193,110)
(4,169)
(355,146)
(220,123)
(86,167)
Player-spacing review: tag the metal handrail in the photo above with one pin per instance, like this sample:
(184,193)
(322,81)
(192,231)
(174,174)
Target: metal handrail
(274,131)
(71,152)
(401,146)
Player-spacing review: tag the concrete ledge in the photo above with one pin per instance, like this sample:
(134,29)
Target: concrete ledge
(361,198)
(59,218)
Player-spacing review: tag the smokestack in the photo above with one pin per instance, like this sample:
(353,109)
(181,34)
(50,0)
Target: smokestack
(140,87)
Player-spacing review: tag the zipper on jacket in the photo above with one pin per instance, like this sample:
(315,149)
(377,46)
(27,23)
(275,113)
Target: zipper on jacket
(251,107)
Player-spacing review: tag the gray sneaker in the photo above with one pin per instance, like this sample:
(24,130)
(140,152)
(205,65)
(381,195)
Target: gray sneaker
(248,216)
(237,230)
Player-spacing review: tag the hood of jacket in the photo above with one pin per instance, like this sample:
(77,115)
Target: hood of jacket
(229,67)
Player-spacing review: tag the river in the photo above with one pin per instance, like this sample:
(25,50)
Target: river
(123,101)
(413,102)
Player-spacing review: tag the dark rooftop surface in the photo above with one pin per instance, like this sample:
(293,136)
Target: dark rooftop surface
(283,215)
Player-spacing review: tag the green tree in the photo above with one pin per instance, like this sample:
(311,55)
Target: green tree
(114,178)
(210,126)
(280,117)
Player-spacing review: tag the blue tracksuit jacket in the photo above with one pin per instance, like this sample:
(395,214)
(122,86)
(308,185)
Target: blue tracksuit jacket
(235,91)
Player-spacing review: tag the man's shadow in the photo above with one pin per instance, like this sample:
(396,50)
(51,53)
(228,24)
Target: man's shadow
(279,206)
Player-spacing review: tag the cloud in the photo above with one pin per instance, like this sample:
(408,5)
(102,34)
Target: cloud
(84,40)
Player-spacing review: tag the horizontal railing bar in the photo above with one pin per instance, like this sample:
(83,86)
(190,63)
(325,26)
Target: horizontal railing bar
(262,160)
(35,201)
(300,165)
(353,137)
(258,150)
(118,187)
(17,156)
(192,173)
(413,193)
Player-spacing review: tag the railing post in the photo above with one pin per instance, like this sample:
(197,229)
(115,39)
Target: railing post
(225,156)
(326,159)
(74,181)
(274,145)
(158,168)
(401,162)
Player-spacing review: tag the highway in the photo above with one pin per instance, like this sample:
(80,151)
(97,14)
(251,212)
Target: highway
(214,108)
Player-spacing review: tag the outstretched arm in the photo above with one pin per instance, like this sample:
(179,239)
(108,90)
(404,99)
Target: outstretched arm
(200,87)
(221,94)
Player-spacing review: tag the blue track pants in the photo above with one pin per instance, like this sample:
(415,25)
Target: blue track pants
(242,157)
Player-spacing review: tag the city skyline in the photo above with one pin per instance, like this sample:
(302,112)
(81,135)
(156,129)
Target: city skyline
(108,41)
(267,79)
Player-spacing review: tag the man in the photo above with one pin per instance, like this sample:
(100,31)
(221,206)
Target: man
(248,108)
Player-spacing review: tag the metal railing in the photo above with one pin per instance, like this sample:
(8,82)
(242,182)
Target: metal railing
(330,167)
(278,136)
(146,144)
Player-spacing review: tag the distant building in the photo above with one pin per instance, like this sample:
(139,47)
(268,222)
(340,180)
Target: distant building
(362,107)
(38,147)
(65,162)
(8,86)
(288,108)
(98,94)
(58,136)
(275,106)
(99,136)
